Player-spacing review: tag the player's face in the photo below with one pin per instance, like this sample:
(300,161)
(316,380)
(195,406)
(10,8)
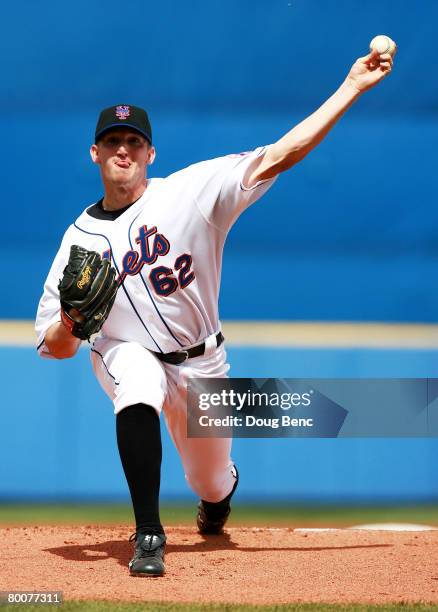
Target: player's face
(123,156)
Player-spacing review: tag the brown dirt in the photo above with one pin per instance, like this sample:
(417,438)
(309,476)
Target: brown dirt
(246,565)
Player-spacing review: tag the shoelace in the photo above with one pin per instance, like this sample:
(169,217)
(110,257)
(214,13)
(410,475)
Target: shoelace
(152,532)
(146,544)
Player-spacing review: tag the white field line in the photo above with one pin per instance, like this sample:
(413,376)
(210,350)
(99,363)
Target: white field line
(368,527)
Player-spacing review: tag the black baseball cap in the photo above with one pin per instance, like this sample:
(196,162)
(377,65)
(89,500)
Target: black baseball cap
(124,115)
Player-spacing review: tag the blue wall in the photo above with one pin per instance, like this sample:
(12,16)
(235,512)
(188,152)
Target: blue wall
(350,233)
(57,438)
(347,234)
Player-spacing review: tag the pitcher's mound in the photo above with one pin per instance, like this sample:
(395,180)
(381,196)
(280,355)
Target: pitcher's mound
(245,565)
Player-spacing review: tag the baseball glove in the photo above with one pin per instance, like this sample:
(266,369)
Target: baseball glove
(87,292)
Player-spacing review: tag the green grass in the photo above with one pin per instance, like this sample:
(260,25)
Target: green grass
(96,606)
(247,515)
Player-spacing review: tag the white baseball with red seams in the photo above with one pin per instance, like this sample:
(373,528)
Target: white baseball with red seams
(167,249)
(382,44)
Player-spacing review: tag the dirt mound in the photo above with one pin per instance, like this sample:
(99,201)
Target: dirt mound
(246,565)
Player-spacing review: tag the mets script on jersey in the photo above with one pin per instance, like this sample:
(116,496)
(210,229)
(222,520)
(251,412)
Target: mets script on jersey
(167,251)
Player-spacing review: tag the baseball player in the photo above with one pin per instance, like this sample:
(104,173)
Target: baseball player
(142,267)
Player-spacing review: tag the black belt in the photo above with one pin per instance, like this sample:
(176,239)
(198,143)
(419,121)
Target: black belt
(178,357)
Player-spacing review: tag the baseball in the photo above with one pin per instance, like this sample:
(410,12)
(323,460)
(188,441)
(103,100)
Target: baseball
(382,44)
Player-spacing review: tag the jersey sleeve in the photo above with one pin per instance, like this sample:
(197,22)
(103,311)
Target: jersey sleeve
(223,195)
(49,307)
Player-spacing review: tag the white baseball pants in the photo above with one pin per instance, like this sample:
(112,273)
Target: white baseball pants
(130,374)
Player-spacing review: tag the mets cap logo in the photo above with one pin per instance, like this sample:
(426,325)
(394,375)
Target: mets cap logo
(122,112)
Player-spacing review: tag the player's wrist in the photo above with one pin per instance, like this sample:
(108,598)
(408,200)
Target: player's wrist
(60,342)
(67,321)
(350,89)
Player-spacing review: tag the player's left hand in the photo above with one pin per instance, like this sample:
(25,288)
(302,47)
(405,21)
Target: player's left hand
(87,291)
(369,70)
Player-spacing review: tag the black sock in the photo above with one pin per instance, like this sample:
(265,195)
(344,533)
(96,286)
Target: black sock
(217,508)
(139,443)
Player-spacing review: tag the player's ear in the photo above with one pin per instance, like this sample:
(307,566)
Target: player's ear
(94,152)
(151,155)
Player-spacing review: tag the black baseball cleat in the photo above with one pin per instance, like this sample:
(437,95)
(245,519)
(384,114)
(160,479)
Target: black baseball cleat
(211,517)
(207,525)
(148,559)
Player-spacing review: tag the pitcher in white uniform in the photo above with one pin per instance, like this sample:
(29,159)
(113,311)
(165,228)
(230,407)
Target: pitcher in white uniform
(165,238)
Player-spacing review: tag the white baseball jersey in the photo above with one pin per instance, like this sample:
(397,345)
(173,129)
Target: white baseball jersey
(167,250)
